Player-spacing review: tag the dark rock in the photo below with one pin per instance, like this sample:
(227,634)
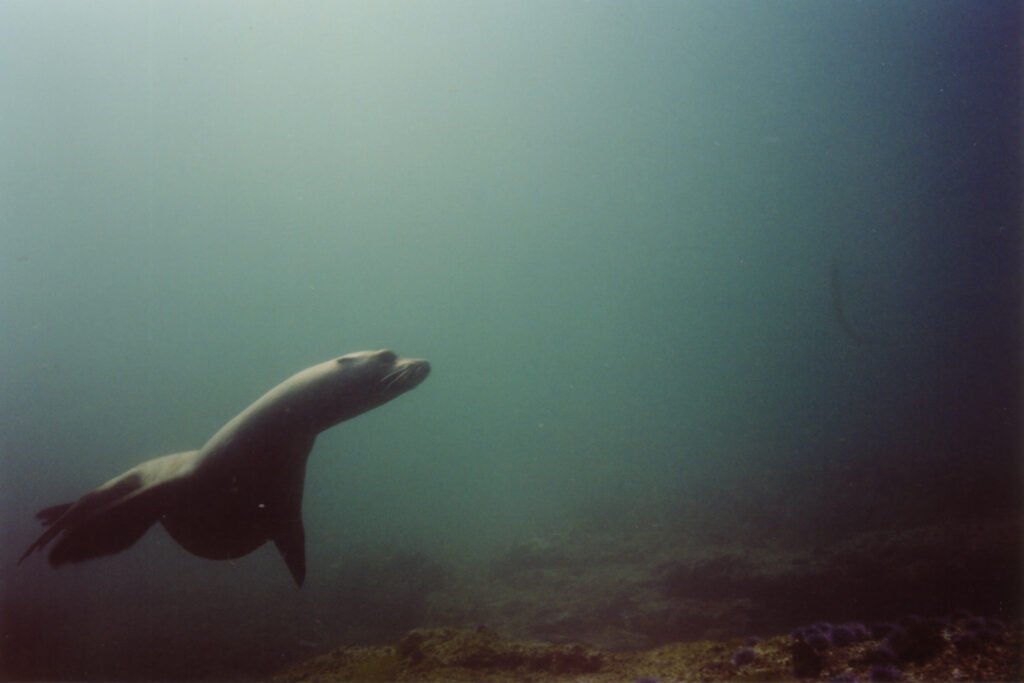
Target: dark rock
(883,654)
(885,673)
(860,632)
(806,662)
(920,640)
(989,635)
(743,657)
(818,640)
(845,677)
(843,635)
(882,630)
(967,642)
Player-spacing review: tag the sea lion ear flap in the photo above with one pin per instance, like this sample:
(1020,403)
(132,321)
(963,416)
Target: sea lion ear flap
(292,546)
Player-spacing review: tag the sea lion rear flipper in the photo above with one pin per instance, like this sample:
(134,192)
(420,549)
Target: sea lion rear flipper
(114,516)
(292,546)
(52,514)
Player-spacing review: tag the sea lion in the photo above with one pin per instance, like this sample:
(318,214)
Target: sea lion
(244,487)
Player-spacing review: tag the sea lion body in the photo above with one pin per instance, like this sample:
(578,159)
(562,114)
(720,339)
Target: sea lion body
(244,486)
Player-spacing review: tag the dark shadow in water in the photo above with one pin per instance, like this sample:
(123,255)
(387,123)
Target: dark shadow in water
(839,307)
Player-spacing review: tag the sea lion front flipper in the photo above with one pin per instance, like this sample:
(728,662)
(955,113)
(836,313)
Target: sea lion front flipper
(292,545)
(291,540)
(115,515)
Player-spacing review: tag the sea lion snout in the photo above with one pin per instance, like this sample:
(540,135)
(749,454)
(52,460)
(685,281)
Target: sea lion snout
(408,372)
(418,369)
(389,357)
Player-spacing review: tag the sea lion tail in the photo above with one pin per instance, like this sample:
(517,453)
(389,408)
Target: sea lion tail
(102,522)
(47,517)
(112,517)
(52,514)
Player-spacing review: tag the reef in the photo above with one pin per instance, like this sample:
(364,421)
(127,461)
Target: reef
(646,589)
(913,604)
(447,654)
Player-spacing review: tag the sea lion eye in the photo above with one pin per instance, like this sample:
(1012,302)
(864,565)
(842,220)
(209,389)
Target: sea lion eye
(387,357)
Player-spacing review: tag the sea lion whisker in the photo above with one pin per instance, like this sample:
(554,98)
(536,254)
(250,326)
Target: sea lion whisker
(395,377)
(390,375)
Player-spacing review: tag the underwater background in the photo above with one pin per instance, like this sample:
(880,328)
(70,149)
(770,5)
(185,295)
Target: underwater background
(690,275)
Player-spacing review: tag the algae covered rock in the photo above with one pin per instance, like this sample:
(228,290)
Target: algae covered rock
(482,649)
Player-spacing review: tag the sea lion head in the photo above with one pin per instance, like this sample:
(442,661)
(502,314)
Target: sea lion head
(357,382)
